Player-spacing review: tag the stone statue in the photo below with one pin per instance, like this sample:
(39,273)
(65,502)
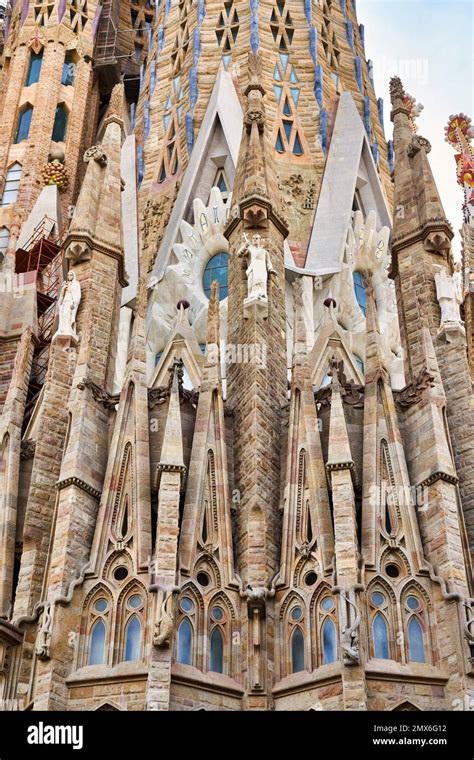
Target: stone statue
(448,296)
(259,266)
(68,304)
(458,282)
(164,619)
(43,639)
(350,637)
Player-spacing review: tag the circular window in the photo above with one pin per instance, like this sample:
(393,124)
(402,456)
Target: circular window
(135,601)
(100,605)
(393,571)
(217,268)
(310,578)
(412,603)
(120,573)
(327,604)
(187,605)
(377,598)
(217,613)
(203,579)
(296,613)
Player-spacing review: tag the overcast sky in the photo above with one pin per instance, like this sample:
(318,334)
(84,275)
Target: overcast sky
(429,44)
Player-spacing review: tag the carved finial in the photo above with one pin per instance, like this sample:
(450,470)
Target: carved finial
(255,111)
(115,110)
(459,134)
(213,315)
(397,91)
(176,371)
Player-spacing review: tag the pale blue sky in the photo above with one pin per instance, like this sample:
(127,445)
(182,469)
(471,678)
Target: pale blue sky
(429,44)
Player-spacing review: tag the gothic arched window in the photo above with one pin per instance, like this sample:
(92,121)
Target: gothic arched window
(97,622)
(379,622)
(328,636)
(415,627)
(24,122)
(36,60)
(186,627)
(133,637)
(133,623)
(218,624)
(297,650)
(97,643)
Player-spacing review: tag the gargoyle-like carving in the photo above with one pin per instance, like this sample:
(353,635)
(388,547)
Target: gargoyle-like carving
(43,639)
(350,636)
(163,628)
(417,143)
(96,153)
(413,392)
(108,400)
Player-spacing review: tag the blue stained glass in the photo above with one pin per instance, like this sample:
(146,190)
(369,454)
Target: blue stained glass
(380,637)
(415,640)
(60,124)
(295,94)
(166,121)
(279,143)
(179,112)
(34,69)
(284,60)
(176,81)
(278,91)
(185,643)
(329,641)
(286,108)
(293,78)
(226,60)
(297,651)
(168,103)
(217,268)
(24,123)
(97,650)
(216,653)
(133,634)
(287,126)
(276,73)
(297,147)
(359,287)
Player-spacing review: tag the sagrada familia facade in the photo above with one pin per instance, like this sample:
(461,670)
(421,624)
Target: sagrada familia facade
(236,362)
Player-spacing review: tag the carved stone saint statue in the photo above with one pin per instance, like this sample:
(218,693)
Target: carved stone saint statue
(259,266)
(449,298)
(68,304)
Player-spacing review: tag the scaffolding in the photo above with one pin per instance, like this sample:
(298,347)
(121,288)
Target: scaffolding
(43,256)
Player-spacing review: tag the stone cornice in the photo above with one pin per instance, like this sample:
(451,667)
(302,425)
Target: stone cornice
(439,224)
(79,483)
(162,467)
(438,475)
(253,199)
(101,246)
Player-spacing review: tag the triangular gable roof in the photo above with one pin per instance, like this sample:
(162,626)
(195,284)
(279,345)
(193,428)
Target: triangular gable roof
(349,158)
(224,105)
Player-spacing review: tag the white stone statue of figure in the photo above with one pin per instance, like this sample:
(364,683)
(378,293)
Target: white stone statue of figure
(259,266)
(448,296)
(68,304)
(458,282)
